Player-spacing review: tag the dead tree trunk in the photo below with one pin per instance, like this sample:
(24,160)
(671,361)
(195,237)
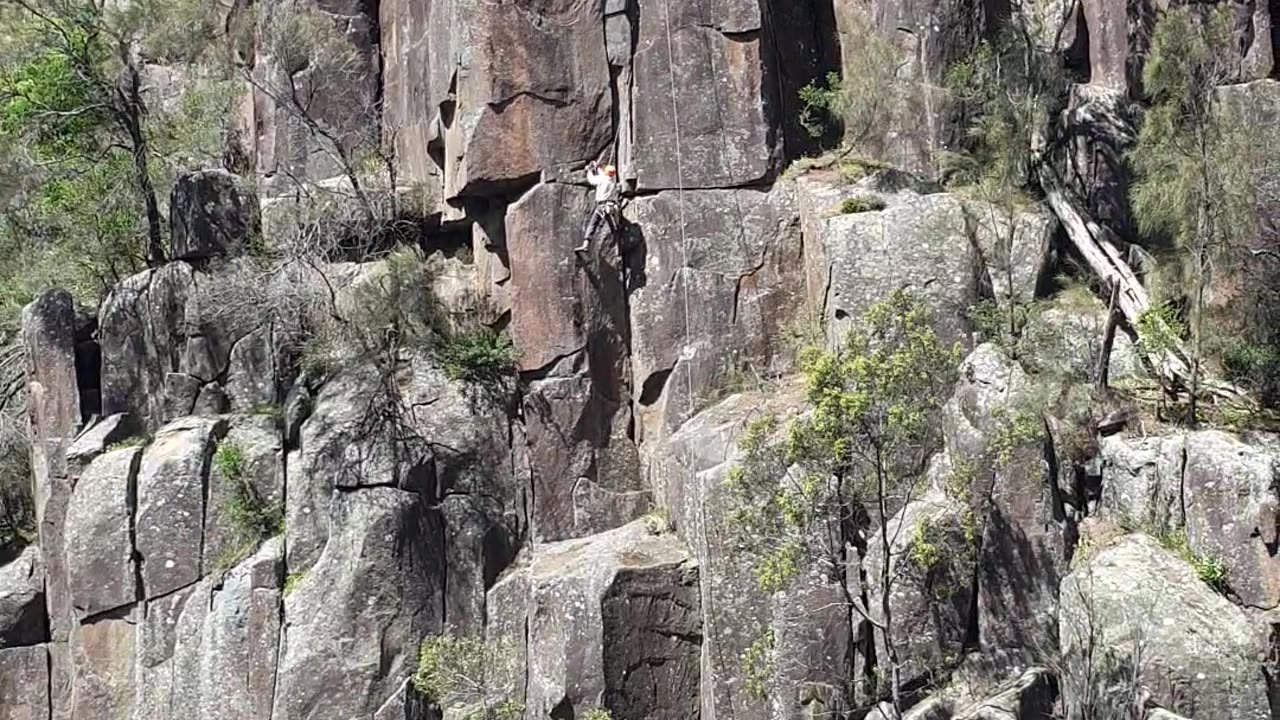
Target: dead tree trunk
(1096,244)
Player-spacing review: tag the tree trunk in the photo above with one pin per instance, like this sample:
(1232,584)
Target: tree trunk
(1095,244)
(129,114)
(891,648)
(1102,374)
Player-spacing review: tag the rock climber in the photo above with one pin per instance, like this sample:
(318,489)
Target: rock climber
(606,211)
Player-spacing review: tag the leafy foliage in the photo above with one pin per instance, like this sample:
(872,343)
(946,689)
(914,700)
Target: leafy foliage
(757,665)
(477,355)
(861,204)
(251,517)
(457,673)
(864,101)
(1210,570)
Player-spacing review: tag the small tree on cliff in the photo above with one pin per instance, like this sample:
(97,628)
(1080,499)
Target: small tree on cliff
(1193,163)
(853,460)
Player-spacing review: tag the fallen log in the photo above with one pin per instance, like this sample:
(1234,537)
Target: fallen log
(1098,246)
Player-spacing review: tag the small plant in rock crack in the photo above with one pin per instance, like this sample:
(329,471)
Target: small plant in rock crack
(1210,570)
(597,714)
(251,518)
(757,665)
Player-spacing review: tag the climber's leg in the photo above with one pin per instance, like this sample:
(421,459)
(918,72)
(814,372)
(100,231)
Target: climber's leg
(598,216)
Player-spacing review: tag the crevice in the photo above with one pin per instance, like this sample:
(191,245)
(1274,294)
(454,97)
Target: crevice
(544,371)
(131,502)
(737,287)
(500,105)
(654,385)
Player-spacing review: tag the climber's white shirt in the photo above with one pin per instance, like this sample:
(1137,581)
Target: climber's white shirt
(606,187)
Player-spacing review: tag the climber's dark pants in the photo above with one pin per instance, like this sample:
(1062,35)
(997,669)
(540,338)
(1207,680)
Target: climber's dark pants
(605,212)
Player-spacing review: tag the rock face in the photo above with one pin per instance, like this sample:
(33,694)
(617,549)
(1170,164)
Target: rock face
(24,683)
(213,213)
(931,570)
(373,593)
(613,621)
(1197,649)
(918,243)
(721,287)
(102,574)
(169,526)
(23,619)
(810,622)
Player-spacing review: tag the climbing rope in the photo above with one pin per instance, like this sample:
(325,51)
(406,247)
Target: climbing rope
(684,238)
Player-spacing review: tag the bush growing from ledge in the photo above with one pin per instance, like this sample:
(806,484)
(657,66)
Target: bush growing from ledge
(861,204)
(477,355)
(457,673)
(1210,570)
(252,519)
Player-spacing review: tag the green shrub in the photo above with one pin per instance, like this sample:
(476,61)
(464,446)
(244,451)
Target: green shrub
(251,518)
(1210,570)
(598,714)
(861,204)
(756,665)
(292,581)
(456,673)
(478,355)
(925,553)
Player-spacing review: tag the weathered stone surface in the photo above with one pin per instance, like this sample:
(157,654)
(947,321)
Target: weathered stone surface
(353,623)
(1142,481)
(142,330)
(1001,442)
(578,419)
(433,436)
(930,588)
(251,470)
(24,683)
(560,308)
(213,213)
(53,402)
(1030,697)
(171,504)
(613,621)
(1014,247)
(688,479)
(100,436)
(721,287)
(104,682)
(99,534)
(22,615)
(1066,337)
(1197,648)
(240,640)
(526,98)
(584,468)
(721,96)
(919,243)
(1229,496)
(251,372)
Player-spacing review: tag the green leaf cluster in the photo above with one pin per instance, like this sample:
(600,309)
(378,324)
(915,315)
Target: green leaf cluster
(252,519)
(457,673)
(868,427)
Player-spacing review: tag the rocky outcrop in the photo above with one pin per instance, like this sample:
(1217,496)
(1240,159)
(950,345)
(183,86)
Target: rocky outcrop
(354,618)
(24,683)
(917,242)
(171,486)
(1000,456)
(931,588)
(99,535)
(213,213)
(23,619)
(612,621)
(717,295)
(810,622)
(1132,607)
